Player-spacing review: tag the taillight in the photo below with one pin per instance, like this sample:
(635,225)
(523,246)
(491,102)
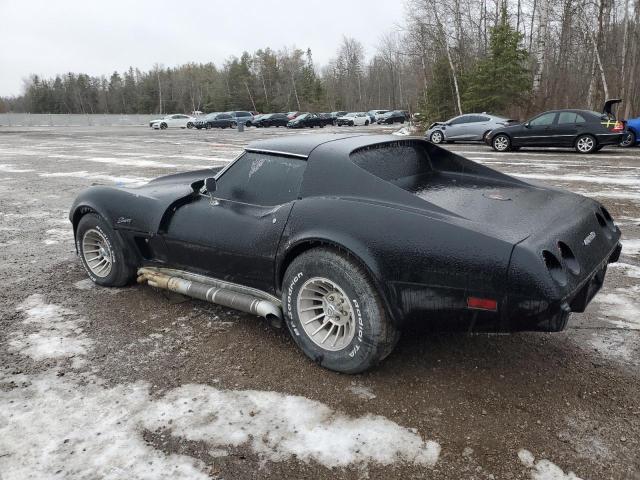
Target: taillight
(618,127)
(477,303)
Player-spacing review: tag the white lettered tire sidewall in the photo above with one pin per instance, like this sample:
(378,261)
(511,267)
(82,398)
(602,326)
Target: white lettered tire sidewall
(369,344)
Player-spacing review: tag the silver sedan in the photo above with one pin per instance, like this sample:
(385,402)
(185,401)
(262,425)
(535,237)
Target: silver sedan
(468,127)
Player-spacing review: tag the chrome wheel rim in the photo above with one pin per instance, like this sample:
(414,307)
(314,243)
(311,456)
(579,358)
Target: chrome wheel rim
(326,314)
(585,144)
(97,253)
(627,141)
(436,137)
(501,143)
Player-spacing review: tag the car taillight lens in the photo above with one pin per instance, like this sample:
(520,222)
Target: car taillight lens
(618,127)
(477,303)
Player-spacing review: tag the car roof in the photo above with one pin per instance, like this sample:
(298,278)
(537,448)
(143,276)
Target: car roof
(301,146)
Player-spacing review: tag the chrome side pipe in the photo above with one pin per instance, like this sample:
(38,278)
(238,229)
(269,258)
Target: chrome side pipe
(214,291)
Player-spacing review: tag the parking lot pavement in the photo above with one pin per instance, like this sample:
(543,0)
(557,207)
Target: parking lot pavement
(132,383)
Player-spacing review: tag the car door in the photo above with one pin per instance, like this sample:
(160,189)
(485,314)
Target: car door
(538,131)
(568,126)
(478,127)
(222,121)
(457,127)
(234,237)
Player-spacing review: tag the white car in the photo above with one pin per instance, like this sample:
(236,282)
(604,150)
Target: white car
(172,121)
(354,118)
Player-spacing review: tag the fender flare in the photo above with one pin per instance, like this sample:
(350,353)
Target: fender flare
(351,248)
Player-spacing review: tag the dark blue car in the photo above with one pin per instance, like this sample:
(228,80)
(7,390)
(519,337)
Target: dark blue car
(633,133)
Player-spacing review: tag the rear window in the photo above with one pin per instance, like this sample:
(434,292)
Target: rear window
(570,117)
(393,161)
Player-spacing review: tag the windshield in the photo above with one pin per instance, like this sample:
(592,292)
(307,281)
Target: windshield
(350,115)
(303,116)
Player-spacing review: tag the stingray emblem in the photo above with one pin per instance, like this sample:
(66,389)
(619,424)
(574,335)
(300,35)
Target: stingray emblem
(589,238)
(123,220)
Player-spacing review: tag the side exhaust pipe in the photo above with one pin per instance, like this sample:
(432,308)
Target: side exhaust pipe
(213,291)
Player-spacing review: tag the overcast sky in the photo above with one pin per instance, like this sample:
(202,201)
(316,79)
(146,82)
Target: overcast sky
(50,37)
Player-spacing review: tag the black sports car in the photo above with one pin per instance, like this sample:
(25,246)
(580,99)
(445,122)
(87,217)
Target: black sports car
(395,116)
(308,120)
(272,120)
(406,230)
(583,130)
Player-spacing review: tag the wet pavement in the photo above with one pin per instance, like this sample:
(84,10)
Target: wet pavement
(134,383)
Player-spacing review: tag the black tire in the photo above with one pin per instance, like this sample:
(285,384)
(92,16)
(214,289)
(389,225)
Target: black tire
(121,272)
(375,335)
(585,144)
(189,125)
(501,143)
(351,124)
(248,124)
(629,140)
(366,123)
(163,126)
(436,137)
(233,125)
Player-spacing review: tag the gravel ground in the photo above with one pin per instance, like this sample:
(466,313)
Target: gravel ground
(135,383)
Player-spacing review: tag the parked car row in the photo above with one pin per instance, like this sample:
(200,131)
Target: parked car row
(296,119)
(585,131)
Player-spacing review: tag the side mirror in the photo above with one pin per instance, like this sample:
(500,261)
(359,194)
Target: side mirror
(210,185)
(526,125)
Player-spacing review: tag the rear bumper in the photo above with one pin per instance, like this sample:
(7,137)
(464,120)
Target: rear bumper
(610,138)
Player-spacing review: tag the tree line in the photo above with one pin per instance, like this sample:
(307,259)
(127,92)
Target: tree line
(513,57)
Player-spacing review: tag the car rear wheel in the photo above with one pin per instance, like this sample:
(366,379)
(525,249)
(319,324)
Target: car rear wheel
(334,312)
(102,253)
(629,140)
(436,137)
(501,143)
(233,125)
(189,124)
(585,144)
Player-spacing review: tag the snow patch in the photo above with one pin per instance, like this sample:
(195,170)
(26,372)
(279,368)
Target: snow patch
(625,307)
(8,168)
(404,131)
(362,392)
(98,176)
(629,270)
(77,427)
(544,469)
(631,247)
(56,332)
(278,426)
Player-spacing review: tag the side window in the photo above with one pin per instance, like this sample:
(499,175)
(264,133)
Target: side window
(262,179)
(224,116)
(580,118)
(482,119)
(544,119)
(460,120)
(567,117)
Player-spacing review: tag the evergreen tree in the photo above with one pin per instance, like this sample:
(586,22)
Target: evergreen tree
(502,79)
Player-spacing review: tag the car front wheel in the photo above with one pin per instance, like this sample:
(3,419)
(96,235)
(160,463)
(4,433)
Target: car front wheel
(585,144)
(334,312)
(189,125)
(436,137)
(163,126)
(101,252)
(629,140)
(501,143)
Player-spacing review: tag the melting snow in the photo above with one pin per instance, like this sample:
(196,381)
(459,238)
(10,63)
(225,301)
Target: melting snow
(98,176)
(544,469)
(362,392)
(77,427)
(631,246)
(54,332)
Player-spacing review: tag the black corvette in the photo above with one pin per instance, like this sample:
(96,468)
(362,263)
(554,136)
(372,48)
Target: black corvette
(406,230)
(583,130)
